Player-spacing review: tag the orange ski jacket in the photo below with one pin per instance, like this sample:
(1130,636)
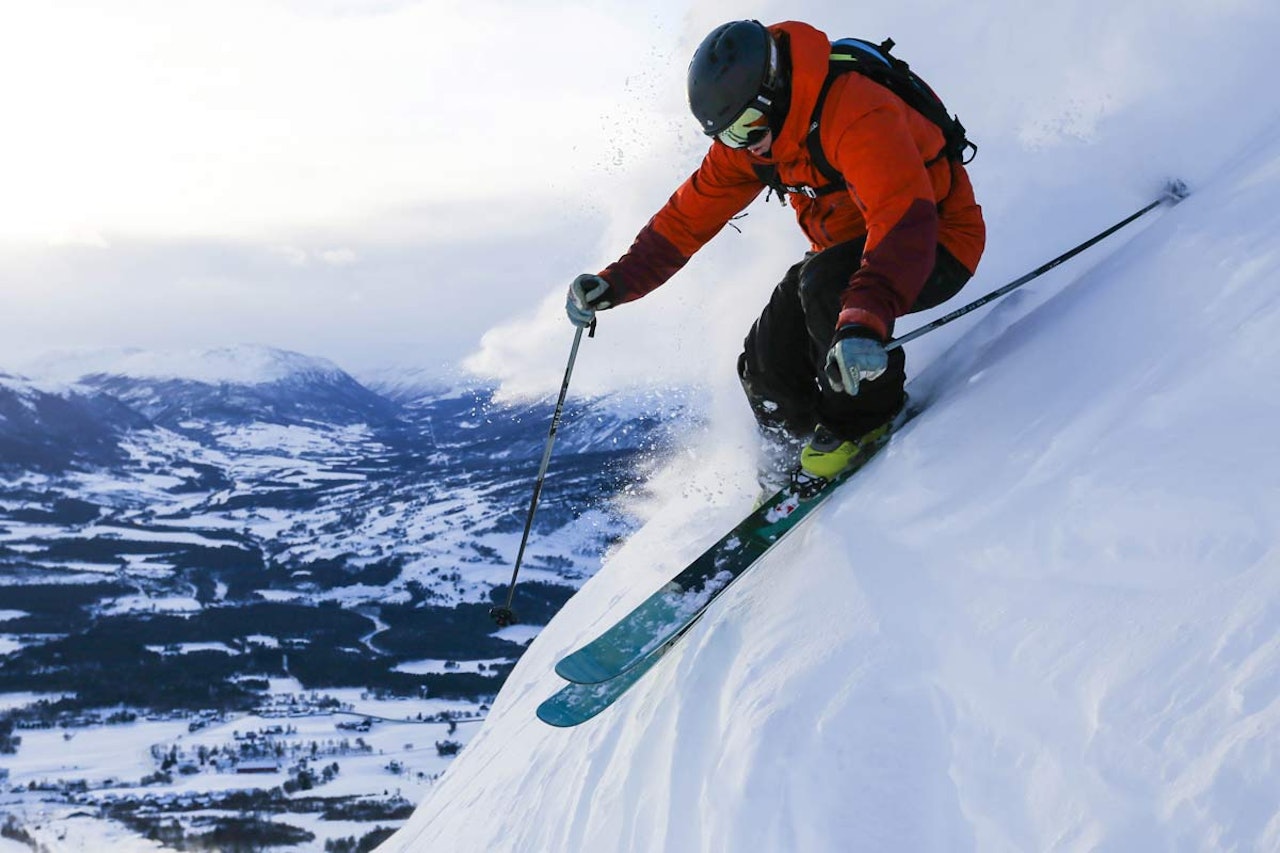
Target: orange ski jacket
(877,143)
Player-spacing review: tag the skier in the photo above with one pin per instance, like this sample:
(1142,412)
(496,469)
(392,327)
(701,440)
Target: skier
(901,232)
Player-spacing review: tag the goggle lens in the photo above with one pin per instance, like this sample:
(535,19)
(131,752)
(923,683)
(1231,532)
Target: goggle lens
(747,129)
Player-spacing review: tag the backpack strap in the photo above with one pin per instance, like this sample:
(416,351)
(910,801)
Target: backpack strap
(768,174)
(877,64)
(835,180)
(813,141)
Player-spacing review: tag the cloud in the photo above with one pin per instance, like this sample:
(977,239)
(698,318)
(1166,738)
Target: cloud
(338,257)
(79,237)
(375,182)
(292,255)
(297,257)
(174,118)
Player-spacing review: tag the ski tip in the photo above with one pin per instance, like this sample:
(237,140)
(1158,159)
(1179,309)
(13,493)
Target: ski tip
(575,704)
(553,715)
(580,669)
(1175,190)
(564,670)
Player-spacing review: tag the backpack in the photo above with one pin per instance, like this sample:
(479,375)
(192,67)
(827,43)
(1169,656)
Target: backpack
(878,64)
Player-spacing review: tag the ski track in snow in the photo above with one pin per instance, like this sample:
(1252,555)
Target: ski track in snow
(1044,619)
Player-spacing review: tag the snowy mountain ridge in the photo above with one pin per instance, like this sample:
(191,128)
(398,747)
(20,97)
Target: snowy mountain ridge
(239,365)
(1043,619)
(50,426)
(243,383)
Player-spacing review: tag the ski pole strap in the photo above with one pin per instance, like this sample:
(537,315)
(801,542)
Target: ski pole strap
(1174,192)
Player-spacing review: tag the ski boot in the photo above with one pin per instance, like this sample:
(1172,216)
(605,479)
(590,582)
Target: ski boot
(827,455)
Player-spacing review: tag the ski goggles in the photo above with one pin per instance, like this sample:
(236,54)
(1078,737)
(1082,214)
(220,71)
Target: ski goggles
(748,128)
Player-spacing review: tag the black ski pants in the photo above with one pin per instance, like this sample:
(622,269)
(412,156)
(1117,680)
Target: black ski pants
(781,366)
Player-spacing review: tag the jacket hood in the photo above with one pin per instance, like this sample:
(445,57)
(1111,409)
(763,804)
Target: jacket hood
(809,52)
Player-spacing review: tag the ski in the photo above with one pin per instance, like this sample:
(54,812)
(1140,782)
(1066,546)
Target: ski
(640,635)
(574,703)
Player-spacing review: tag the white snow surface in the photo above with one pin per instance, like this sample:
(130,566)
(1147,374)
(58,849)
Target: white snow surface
(1045,618)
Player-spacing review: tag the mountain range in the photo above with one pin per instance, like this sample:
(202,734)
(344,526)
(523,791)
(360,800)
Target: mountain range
(228,485)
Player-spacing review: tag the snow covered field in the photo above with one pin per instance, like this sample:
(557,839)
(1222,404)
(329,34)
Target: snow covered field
(394,756)
(1046,617)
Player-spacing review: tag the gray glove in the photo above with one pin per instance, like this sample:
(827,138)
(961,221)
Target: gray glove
(588,293)
(855,357)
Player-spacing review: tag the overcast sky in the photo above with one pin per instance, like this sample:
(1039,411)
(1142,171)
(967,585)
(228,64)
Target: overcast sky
(370,180)
(388,182)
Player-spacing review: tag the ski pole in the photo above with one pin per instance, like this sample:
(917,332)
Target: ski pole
(504,615)
(1174,192)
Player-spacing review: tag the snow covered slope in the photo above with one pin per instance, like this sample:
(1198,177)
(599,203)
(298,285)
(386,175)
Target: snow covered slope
(1044,619)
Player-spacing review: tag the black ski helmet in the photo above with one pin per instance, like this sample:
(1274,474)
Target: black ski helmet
(735,67)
